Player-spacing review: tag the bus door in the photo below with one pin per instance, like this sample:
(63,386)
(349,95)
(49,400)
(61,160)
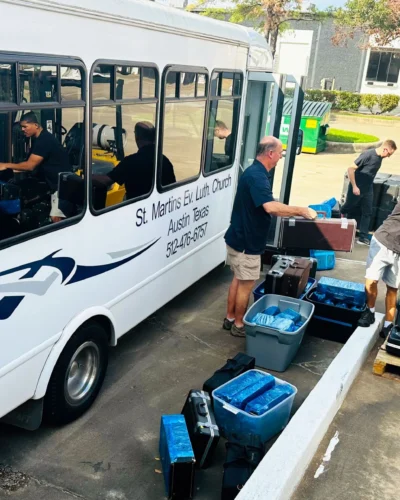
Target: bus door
(268,95)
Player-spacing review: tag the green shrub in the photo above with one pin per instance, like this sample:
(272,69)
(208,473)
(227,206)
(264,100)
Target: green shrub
(320,95)
(388,102)
(369,101)
(347,101)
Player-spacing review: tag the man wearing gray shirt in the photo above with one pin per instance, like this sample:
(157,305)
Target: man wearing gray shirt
(383,263)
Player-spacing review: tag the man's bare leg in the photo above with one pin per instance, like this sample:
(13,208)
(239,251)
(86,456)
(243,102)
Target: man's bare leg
(230,313)
(371,288)
(242,300)
(391,299)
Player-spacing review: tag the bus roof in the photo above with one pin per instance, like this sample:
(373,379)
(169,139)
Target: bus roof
(145,13)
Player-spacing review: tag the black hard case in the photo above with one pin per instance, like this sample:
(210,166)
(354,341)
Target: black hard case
(314,262)
(241,363)
(393,341)
(288,277)
(203,430)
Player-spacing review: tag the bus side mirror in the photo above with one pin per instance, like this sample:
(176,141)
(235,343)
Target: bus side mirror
(299,142)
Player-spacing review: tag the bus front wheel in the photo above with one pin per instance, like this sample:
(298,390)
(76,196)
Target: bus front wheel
(78,375)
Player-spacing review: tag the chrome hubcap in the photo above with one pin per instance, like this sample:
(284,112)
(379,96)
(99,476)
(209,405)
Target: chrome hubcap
(82,373)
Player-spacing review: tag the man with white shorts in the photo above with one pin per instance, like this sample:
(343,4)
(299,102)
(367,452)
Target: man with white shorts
(246,237)
(383,264)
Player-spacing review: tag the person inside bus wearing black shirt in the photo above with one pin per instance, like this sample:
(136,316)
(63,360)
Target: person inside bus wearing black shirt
(47,158)
(223,132)
(136,171)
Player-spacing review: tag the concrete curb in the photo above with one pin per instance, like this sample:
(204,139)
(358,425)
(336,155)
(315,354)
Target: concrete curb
(363,119)
(343,147)
(283,467)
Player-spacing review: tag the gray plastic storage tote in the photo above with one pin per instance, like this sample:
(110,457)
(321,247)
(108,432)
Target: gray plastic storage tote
(275,349)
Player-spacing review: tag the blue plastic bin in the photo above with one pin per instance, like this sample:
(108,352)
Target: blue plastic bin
(331,202)
(322,208)
(234,423)
(326,259)
(341,289)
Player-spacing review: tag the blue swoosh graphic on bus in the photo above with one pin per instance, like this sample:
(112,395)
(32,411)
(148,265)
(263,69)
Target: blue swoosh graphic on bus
(85,272)
(66,266)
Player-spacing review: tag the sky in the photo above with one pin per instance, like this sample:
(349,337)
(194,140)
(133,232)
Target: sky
(322,4)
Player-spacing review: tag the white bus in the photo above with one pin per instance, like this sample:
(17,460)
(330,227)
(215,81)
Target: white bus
(91,71)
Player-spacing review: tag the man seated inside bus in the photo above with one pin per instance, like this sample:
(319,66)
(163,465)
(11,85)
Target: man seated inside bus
(223,132)
(47,158)
(136,171)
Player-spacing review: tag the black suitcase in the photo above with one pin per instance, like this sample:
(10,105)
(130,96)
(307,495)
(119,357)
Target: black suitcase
(314,262)
(288,277)
(203,430)
(241,461)
(233,367)
(393,341)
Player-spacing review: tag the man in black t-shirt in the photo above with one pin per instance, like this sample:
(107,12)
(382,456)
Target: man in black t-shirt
(223,132)
(47,158)
(136,171)
(360,191)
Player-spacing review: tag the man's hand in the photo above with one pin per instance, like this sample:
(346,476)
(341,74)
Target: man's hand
(3,166)
(308,213)
(356,191)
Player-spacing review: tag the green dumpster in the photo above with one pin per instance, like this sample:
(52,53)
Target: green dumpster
(314,124)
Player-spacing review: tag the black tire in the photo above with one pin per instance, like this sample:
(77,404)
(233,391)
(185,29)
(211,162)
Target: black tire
(65,402)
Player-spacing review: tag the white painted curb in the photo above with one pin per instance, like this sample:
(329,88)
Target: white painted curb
(283,467)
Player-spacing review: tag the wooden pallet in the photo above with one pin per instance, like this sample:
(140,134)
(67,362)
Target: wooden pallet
(385,362)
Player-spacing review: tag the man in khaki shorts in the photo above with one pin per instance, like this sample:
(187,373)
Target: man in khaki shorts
(383,263)
(246,237)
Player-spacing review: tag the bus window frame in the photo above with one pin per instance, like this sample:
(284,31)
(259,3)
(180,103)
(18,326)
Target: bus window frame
(222,98)
(18,58)
(121,102)
(217,97)
(164,100)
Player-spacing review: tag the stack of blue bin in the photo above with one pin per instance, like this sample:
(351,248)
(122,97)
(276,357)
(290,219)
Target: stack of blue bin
(253,403)
(338,305)
(325,258)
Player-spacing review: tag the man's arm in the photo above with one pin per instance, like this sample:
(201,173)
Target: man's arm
(352,178)
(26,166)
(281,210)
(104,179)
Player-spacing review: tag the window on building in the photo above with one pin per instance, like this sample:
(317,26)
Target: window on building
(181,142)
(42,145)
(226,90)
(383,67)
(123,135)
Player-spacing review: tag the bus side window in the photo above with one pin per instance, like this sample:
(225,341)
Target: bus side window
(123,135)
(183,125)
(223,120)
(39,147)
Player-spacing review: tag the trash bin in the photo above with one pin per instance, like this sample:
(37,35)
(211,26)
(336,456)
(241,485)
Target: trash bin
(314,123)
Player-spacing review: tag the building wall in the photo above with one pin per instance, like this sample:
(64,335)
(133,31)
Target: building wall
(345,64)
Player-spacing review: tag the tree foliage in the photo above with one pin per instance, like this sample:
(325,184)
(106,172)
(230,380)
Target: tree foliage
(269,16)
(378,19)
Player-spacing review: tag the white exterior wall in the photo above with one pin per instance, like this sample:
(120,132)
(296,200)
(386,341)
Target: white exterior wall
(293,52)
